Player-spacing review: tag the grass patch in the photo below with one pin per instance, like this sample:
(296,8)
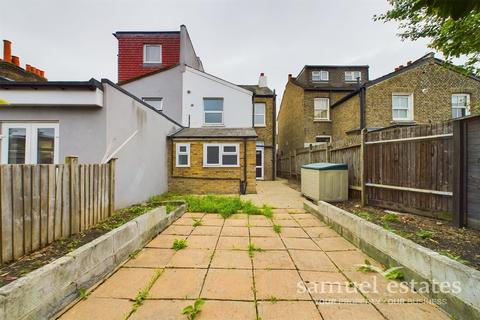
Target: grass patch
(453,256)
(83,293)
(425,234)
(366,267)
(267,211)
(191,311)
(179,244)
(197,222)
(363,214)
(394,274)
(252,248)
(390,217)
(277,228)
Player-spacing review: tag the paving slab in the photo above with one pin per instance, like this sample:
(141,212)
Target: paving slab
(164,241)
(191,258)
(227,310)
(272,260)
(349,260)
(99,308)
(185,221)
(160,309)
(207,231)
(277,194)
(125,283)
(288,310)
(231,259)
(234,232)
(268,243)
(279,284)
(289,232)
(193,215)
(334,244)
(260,223)
(310,260)
(310,222)
(240,222)
(320,232)
(284,215)
(415,311)
(233,243)
(178,230)
(202,242)
(151,258)
(300,243)
(263,232)
(228,284)
(349,312)
(212,222)
(178,284)
(286,223)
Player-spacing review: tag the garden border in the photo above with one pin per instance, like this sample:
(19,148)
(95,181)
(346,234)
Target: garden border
(44,292)
(420,263)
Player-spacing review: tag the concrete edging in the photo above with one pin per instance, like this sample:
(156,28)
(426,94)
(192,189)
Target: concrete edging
(420,263)
(47,290)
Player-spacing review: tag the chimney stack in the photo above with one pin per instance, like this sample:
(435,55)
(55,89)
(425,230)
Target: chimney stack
(289,76)
(262,80)
(16,61)
(7,51)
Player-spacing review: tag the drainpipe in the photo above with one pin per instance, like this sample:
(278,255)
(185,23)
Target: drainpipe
(362,107)
(243,184)
(253,110)
(274,134)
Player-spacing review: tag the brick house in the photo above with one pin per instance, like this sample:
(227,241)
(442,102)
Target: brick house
(424,91)
(216,150)
(11,70)
(304,116)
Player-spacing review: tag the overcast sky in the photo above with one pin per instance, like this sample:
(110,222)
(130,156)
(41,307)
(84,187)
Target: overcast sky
(236,39)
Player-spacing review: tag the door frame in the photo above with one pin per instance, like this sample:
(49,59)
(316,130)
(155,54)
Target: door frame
(262,150)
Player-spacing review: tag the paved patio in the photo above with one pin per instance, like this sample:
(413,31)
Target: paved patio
(268,284)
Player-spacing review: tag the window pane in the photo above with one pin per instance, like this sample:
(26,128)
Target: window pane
(152,53)
(183,159)
(213,117)
(259,119)
(400,102)
(213,104)
(45,145)
(16,145)
(213,154)
(258,172)
(322,139)
(182,148)
(259,108)
(229,159)
(258,158)
(230,149)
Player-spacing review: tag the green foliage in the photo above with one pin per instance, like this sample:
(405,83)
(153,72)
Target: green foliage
(83,293)
(267,211)
(277,228)
(179,244)
(252,248)
(191,311)
(453,27)
(197,222)
(134,254)
(142,294)
(453,256)
(390,217)
(249,208)
(366,267)
(273,299)
(394,274)
(387,227)
(425,234)
(363,214)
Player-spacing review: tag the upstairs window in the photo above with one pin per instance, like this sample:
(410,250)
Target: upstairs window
(460,105)
(321,75)
(183,155)
(213,111)
(402,107)
(321,108)
(221,155)
(152,53)
(259,115)
(157,103)
(351,76)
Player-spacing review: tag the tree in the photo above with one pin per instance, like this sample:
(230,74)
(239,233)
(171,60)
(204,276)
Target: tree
(453,27)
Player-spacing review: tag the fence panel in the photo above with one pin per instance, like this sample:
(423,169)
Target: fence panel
(42,203)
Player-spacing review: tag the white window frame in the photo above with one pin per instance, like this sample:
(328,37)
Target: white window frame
(178,153)
(264,114)
(352,76)
(221,154)
(148,99)
(467,107)
(315,108)
(31,142)
(145,53)
(323,136)
(410,115)
(324,75)
(205,112)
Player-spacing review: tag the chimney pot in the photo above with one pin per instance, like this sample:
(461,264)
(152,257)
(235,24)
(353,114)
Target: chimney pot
(33,69)
(7,50)
(289,76)
(409,62)
(27,67)
(42,73)
(262,80)
(397,68)
(262,74)
(16,61)
(400,66)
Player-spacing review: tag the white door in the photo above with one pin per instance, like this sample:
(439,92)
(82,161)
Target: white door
(29,143)
(259,163)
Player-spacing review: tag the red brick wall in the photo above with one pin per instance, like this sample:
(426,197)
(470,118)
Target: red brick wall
(130,53)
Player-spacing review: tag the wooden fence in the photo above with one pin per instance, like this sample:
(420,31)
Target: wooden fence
(43,203)
(406,168)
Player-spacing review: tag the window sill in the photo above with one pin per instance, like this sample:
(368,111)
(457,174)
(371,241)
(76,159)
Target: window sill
(178,166)
(321,120)
(260,126)
(403,122)
(213,125)
(220,166)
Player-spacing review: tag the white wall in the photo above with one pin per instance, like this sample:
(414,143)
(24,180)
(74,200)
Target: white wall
(141,168)
(237,104)
(166,85)
(53,97)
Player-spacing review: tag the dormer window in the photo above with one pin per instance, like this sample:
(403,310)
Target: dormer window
(321,75)
(351,76)
(152,53)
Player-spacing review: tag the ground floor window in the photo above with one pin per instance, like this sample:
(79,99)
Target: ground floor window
(30,143)
(221,155)
(460,105)
(183,155)
(323,139)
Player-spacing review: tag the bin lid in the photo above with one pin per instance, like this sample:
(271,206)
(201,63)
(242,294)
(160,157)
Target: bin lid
(326,166)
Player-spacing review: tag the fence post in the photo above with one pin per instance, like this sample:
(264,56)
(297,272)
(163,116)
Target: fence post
(364,198)
(459,174)
(111,189)
(72,162)
(327,152)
